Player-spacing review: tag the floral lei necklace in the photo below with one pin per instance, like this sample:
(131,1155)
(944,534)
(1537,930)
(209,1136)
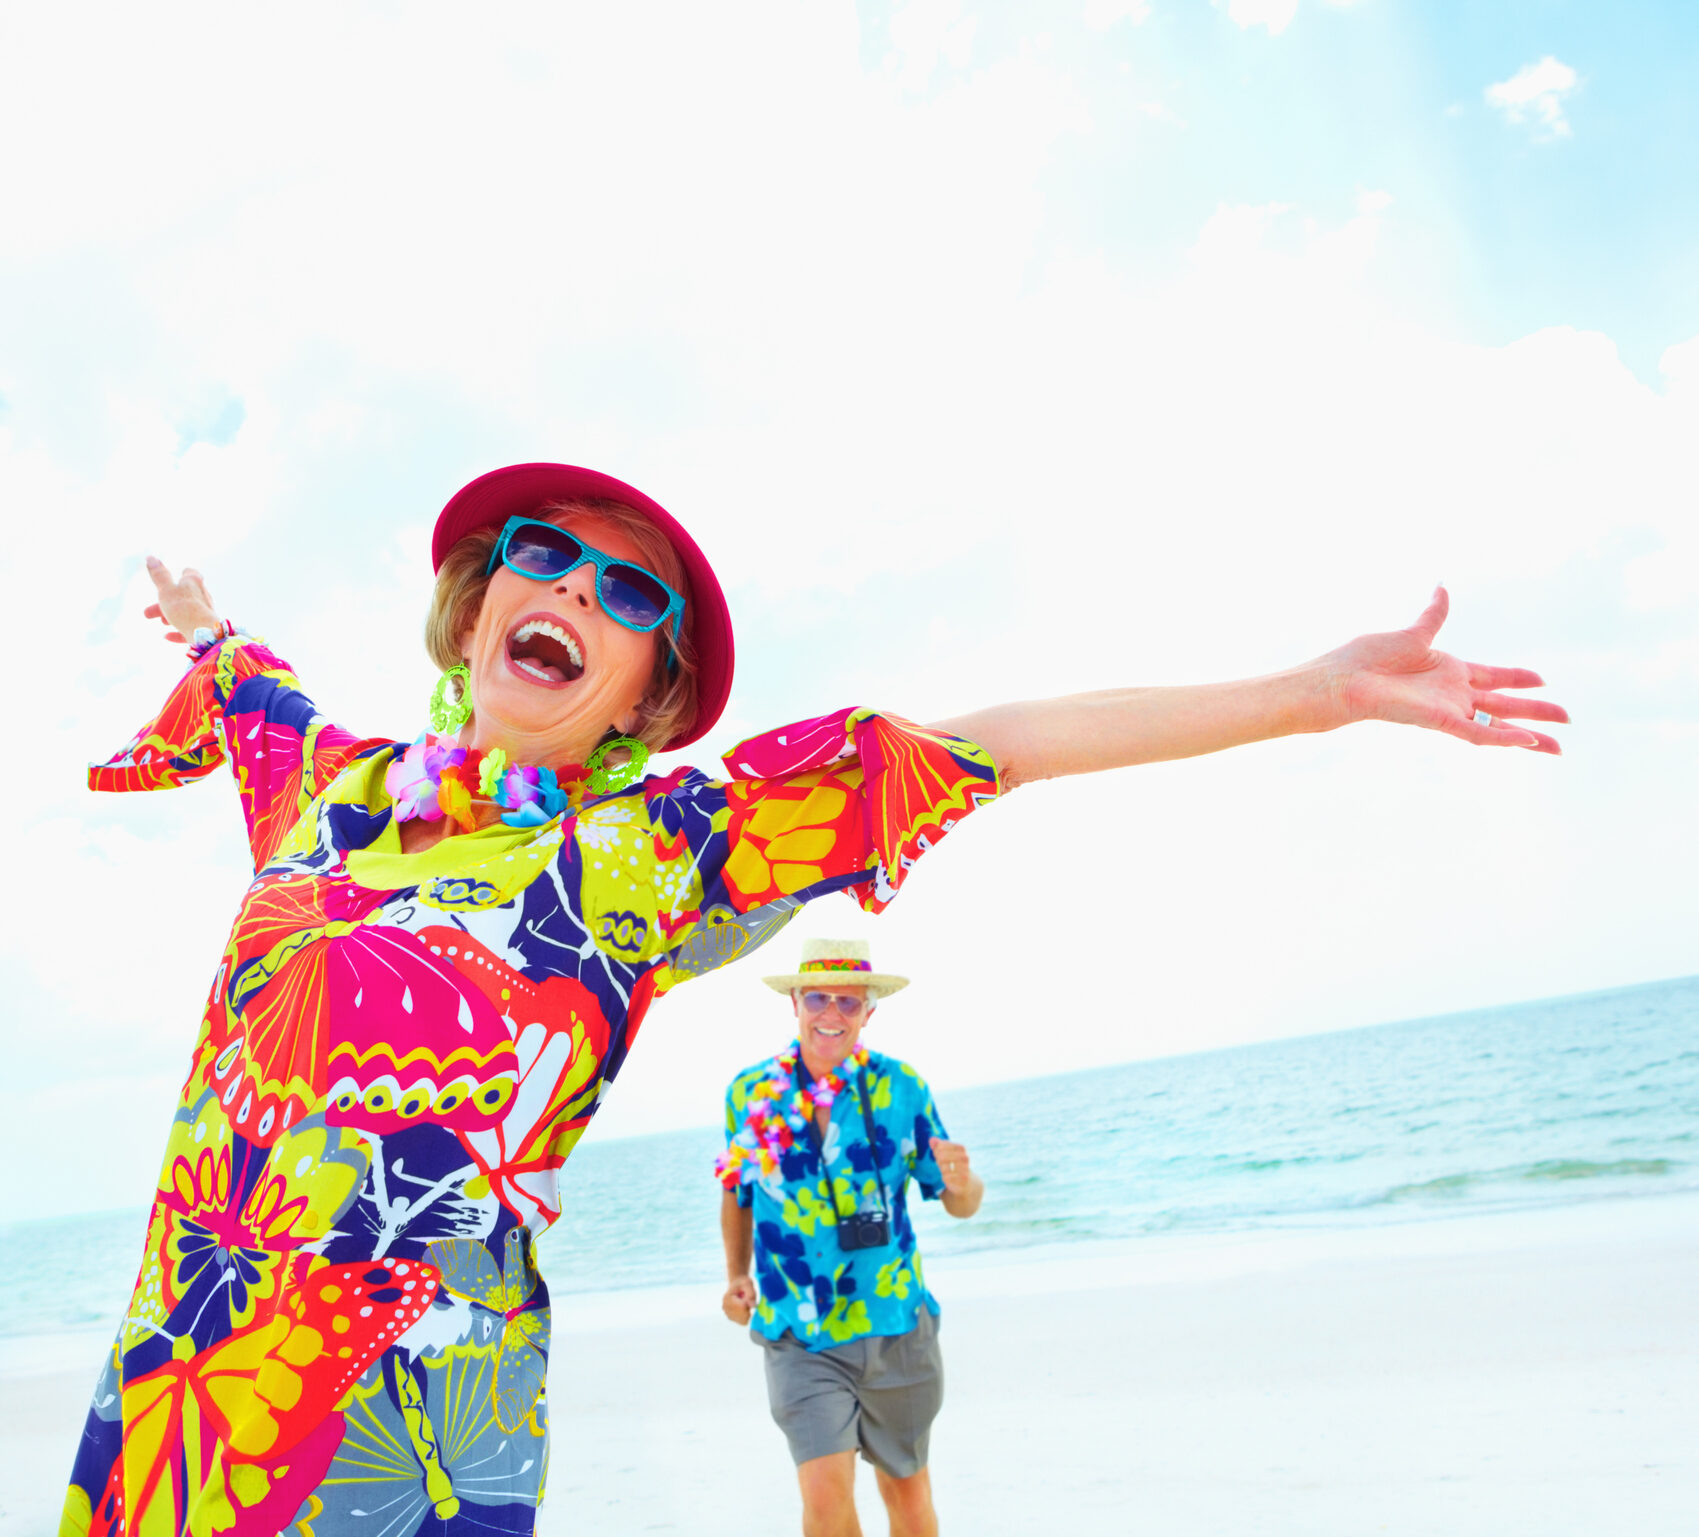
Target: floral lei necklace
(434,779)
(778,1113)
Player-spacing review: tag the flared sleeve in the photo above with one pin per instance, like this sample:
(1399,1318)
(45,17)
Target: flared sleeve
(853,798)
(844,802)
(242,704)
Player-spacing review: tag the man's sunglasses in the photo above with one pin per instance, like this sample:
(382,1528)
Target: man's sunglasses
(848,1005)
(629,594)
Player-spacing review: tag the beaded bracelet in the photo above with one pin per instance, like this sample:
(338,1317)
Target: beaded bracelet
(204,639)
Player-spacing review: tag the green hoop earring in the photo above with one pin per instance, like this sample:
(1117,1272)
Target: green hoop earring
(446,717)
(604,781)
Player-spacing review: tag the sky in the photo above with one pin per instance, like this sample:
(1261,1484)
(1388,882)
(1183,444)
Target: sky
(991,352)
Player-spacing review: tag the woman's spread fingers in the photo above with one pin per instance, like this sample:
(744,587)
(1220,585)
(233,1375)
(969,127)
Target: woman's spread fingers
(1500,735)
(1503,677)
(1509,706)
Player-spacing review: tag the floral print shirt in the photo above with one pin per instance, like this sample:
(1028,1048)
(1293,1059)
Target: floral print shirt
(809,1284)
(338,1325)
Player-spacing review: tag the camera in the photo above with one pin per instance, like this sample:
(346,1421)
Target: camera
(864,1230)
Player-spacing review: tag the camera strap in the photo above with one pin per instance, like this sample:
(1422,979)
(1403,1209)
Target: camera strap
(872,1140)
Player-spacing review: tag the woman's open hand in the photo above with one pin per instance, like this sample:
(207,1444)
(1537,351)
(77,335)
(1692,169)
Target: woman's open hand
(184,605)
(1400,677)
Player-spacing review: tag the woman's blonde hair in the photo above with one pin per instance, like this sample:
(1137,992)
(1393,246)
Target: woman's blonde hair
(669,702)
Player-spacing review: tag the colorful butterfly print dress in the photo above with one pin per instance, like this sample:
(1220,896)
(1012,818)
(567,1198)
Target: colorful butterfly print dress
(338,1326)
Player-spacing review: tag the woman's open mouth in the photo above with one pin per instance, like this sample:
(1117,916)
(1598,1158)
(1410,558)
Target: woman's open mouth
(544,649)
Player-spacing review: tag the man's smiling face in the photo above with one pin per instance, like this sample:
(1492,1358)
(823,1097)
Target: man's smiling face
(829,1023)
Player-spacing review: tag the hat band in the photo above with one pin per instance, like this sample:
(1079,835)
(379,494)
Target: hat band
(845,965)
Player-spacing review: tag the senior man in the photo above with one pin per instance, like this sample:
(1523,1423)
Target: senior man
(821,1142)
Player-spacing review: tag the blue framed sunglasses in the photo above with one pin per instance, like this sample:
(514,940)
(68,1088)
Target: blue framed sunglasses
(629,594)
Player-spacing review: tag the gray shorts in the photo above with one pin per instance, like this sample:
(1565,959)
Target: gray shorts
(878,1395)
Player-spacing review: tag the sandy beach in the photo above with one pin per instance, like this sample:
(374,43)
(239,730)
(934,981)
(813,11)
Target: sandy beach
(1533,1373)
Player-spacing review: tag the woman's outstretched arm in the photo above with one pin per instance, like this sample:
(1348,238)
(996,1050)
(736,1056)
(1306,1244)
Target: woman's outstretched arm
(238,702)
(1397,676)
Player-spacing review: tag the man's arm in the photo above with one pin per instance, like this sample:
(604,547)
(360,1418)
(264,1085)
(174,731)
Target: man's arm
(737,1232)
(963,1189)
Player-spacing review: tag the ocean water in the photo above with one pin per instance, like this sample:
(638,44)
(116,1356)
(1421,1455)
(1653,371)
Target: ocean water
(1567,1099)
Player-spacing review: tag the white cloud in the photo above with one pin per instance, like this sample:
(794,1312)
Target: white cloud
(1161,113)
(925,33)
(1101,15)
(1667,578)
(1535,95)
(1235,231)
(1680,367)
(1276,15)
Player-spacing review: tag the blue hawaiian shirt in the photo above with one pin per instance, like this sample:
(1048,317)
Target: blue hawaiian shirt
(809,1285)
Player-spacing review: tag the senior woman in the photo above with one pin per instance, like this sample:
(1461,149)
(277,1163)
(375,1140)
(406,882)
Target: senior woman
(338,1326)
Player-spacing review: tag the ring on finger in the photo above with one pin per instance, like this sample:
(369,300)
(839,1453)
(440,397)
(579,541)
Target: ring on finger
(1483,718)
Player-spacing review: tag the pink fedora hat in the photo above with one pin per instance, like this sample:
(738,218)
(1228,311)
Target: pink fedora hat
(522,489)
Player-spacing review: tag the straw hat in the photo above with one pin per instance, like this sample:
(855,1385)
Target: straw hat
(838,960)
